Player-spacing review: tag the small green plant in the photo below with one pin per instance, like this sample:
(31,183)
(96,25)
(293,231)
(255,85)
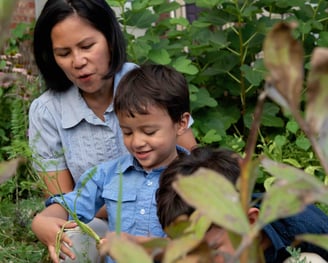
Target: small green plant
(296,256)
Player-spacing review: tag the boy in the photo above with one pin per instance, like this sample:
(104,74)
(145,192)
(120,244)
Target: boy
(275,237)
(152,106)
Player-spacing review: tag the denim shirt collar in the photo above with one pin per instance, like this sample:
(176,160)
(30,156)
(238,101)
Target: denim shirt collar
(131,162)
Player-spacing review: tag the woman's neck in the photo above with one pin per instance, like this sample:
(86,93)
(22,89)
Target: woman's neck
(99,101)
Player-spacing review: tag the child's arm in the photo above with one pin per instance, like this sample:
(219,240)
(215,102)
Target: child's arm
(47,224)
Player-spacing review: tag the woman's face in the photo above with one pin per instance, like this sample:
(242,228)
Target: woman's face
(82,52)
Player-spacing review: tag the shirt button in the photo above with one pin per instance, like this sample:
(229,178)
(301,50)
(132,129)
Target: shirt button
(142,211)
(149,183)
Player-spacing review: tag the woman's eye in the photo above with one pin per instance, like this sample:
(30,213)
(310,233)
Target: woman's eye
(62,54)
(87,46)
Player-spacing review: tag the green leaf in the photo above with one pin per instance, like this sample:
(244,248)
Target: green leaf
(215,197)
(209,3)
(201,98)
(167,7)
(254,77)
(303,143)
(323,39)
(211,136)
(124,250)
(179,247)
(141,19)
(184,65)
(291,192)
(179,21)
(160,56)
(292,126)
(280,140)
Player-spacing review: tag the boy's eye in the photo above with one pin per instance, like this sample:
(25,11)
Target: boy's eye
(149,132)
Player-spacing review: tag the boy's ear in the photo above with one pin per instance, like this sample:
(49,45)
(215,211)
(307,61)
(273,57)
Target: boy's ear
(184,123)
(253,214)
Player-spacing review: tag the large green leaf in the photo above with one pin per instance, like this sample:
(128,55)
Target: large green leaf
(290,193)
(215,197)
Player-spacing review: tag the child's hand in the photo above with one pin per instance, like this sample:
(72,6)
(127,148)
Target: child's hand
(46,229)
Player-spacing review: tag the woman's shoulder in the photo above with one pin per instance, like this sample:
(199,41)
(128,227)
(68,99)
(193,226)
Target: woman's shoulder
(127,66)
(46,98)
(52,100)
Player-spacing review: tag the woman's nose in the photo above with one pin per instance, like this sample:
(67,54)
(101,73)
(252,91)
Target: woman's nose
(79,60)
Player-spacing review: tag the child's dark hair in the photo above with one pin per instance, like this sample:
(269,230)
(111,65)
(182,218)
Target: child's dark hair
(169,204)
(149,85)
(98,13)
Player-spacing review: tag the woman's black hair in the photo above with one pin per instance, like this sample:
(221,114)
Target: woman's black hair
(98,13)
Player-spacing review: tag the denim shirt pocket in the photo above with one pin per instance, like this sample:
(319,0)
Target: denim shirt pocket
(128,209)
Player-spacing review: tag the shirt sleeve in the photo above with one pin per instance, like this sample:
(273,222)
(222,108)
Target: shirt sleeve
(86,198)
(44,139)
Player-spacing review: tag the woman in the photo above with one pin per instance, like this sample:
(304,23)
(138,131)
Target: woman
(80,51)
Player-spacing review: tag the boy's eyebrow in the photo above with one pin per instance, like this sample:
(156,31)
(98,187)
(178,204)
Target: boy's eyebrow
(142,127)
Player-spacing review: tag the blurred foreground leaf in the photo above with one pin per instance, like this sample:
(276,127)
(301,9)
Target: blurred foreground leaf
(317,97)
(8,169)
(283,57)
(290,193)
(215,197)
(6,9)
(124,250)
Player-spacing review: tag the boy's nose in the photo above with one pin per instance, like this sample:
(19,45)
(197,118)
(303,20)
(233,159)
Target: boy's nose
(138,141)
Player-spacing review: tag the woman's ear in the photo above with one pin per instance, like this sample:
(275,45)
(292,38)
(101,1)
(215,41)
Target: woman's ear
(184,123)
(253,214)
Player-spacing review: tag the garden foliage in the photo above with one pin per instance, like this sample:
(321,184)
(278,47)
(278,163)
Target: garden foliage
(221,55)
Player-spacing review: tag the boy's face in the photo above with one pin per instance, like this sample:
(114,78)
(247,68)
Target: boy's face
(218,239)
(151,138)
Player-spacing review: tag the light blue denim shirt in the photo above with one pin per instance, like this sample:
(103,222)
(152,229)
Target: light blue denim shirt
(100,185)
(64,133)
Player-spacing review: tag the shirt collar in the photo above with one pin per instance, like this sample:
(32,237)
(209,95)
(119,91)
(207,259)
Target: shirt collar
(131,162)
(74,109)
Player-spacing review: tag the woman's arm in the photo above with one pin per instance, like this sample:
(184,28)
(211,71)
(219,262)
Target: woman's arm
(58,182)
